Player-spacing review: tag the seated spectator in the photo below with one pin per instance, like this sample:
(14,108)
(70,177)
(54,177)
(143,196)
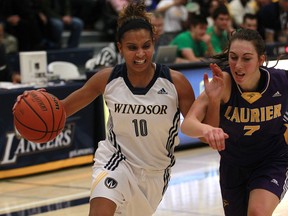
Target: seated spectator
(107,57)
(161,38)
(22,21)
(89,11)
(194,44)
(151,4)
(212,6)
(238,8)
(175,14)
(221,28)
(5,73)
(272,21)
(250,21)
(110,14)
(9,41)
(60,19)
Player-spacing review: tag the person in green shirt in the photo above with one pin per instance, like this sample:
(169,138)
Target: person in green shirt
(194,44)
(219,31)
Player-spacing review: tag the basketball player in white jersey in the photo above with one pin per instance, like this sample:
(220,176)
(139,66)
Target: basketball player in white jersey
(132,166)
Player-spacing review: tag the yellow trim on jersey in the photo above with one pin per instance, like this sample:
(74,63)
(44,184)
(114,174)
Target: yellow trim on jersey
(251,97)
(98,179)
(47,166)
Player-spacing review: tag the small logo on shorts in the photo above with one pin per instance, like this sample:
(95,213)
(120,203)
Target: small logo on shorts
(110,183)
(225,203)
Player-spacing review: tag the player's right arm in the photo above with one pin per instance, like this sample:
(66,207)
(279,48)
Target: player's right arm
(80,98)
(202,119)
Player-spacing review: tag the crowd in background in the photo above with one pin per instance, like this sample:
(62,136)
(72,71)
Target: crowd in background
(200,28)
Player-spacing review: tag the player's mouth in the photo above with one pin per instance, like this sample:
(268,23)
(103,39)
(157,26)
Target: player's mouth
(239,76)
(140,61)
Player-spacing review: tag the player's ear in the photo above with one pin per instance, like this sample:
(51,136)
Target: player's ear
(262,60)
(119,46)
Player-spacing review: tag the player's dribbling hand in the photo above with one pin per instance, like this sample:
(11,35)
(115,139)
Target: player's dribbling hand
(25,93)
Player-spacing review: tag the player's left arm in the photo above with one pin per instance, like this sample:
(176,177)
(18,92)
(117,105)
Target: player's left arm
(185,91)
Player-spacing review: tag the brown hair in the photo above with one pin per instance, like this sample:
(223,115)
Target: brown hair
(241,34)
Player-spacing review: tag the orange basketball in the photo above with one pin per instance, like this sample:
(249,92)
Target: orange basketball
(39,116)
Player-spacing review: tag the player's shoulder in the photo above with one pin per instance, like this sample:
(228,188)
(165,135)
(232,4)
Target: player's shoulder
(276,72)
(179,79)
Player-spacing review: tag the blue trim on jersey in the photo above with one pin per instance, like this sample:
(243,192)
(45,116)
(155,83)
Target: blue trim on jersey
(120,70)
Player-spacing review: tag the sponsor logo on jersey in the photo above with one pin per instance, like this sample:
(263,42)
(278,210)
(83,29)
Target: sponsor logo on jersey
(277,94)
(162,91)
(110,183)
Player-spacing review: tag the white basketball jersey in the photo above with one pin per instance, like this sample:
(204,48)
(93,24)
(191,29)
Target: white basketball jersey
(143,122)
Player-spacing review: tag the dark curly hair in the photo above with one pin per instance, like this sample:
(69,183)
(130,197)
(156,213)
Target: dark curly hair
(135,11)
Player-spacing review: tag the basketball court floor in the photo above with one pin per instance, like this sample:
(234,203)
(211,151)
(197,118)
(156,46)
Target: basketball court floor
(193,190)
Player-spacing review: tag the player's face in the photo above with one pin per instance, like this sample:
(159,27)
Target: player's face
(137,48)
(244,64)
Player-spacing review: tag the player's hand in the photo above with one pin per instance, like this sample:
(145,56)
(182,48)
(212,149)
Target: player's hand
(215,87)
(25,93)
(215,137)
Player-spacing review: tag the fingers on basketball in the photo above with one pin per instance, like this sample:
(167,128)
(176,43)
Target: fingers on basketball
(39,117)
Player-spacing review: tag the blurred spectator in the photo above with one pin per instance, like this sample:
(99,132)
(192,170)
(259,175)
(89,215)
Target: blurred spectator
(220,30)
(204,6)
(60,19)
(192,9)
(175,14)
(250,22)
(89,11)
(107,57)
(212,6)
(238,8)
(194,44)
(261,3)
(272,21)
(151,4)
(22,21)
(5,73)
(111,9)
(161,38)
(9,41)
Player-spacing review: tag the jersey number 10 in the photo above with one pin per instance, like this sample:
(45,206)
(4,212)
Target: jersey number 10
(140,127)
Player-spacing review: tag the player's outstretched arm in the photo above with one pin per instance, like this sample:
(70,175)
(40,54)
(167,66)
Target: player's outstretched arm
(206,109)
(80,98)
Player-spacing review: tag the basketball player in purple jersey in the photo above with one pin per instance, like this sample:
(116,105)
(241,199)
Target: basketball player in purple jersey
(248,130)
